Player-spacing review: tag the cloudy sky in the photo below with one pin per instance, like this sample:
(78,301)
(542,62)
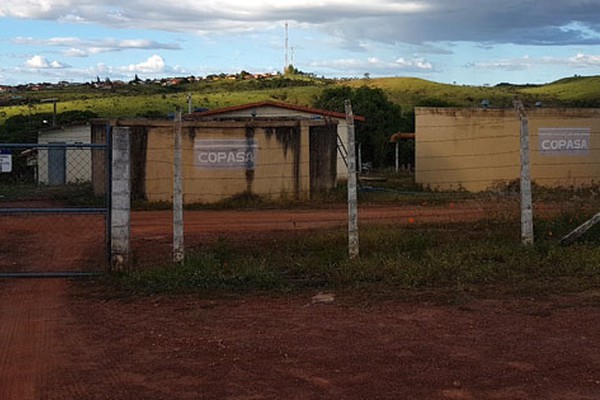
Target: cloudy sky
(463,41)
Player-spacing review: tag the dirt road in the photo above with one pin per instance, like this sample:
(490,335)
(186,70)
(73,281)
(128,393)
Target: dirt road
(60,340)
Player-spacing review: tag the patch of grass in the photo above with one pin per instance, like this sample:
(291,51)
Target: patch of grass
(430,257)
(214,269)
(144,205)
(73,195)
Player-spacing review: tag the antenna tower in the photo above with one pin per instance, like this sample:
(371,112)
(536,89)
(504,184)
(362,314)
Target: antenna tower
(286,47)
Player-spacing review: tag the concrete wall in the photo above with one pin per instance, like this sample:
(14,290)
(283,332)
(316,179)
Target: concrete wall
(478,149)
(264,112)
(282,166)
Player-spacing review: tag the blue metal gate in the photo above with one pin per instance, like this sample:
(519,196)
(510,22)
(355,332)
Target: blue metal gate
(54,208)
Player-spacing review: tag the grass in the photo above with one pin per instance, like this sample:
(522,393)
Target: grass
(81,195)
(135,104)
(393,258)
(578,91)
(132,101)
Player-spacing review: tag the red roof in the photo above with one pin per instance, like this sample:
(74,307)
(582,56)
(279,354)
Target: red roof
(401,135)
(286,106)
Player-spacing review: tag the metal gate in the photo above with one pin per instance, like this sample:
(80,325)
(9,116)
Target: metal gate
(54,208)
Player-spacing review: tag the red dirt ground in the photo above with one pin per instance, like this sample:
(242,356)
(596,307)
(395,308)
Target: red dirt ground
(61,340)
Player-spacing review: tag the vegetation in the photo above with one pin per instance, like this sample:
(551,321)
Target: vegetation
(387,103)
(383,118)
(392,259)
(24,128)
(572,92)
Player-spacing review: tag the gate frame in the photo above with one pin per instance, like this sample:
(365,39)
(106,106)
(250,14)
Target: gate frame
(107,147)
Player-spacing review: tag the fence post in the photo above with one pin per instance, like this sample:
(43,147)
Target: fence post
(359,167)
(526,201)
(353,248)
(178,248)
(121,199)
(397,154)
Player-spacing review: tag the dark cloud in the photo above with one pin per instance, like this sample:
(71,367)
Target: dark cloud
(526,22)
(518,22)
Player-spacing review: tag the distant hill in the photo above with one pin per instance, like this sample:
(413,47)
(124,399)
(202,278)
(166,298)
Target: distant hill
(156,100)
(411,92)
(572,92)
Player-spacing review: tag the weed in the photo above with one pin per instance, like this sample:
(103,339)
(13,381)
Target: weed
(392,257)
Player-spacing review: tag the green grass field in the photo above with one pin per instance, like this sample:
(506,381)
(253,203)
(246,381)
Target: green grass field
(144,100)
(487,259)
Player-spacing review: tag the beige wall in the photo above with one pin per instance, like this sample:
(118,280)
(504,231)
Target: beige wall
(279,112)
(479,149)
(277,173)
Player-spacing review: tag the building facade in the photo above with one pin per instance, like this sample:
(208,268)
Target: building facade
(479,149)
(255,149)
(60,165)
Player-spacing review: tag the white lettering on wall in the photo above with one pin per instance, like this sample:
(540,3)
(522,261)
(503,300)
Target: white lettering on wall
(226,154)
(564,141)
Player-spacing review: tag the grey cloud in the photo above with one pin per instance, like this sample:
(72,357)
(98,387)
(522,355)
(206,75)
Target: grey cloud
(83,47)
(530,22)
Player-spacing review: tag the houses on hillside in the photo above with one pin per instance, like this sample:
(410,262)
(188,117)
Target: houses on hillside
(107,83)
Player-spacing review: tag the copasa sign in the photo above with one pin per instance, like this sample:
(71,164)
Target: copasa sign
(225,154)
(564,141)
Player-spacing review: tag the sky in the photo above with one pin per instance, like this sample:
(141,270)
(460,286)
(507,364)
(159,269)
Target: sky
(468,42)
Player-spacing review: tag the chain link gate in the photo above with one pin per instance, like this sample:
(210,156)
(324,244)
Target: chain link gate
(54,208)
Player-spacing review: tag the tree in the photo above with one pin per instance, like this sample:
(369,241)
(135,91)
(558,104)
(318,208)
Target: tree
(25,128)
(383,118)
(290,70)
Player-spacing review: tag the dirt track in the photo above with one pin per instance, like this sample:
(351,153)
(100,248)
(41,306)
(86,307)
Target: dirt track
(59,342)
(152,236)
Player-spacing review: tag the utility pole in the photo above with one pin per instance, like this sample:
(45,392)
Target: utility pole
(286,48)
(53,101)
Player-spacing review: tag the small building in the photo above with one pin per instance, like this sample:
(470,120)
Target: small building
(270,110)
(479,149)
(59,165)
(268,149)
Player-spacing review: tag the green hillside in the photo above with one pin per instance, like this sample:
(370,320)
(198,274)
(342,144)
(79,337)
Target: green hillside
(156,100)
(137,104)
(576,92)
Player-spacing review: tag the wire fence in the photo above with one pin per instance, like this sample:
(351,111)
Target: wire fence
(271,201)
(51,218)
(53,196)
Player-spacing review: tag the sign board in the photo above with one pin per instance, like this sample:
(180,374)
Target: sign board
(564,141)
(225,154)
(5,161)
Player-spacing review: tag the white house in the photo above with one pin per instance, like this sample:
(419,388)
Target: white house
(60,165)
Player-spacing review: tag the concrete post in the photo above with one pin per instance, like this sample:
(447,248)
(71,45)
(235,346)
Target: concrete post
(526,196)
(353,247)
(178,230)
(397,148)
(359,168)
(121,199)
